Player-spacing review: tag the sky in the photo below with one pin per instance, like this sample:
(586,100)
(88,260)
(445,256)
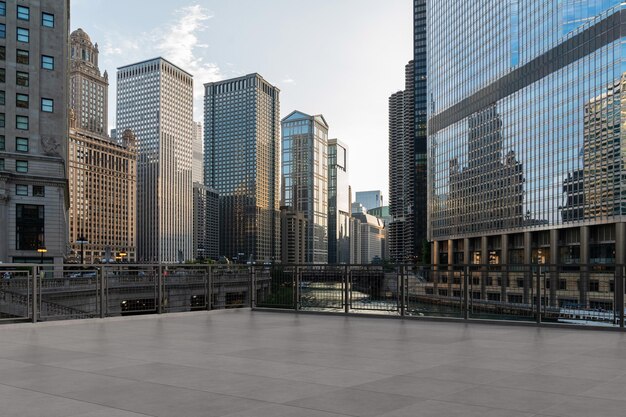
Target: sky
(339,58)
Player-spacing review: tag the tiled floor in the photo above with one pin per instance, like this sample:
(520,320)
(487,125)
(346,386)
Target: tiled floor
(240,363)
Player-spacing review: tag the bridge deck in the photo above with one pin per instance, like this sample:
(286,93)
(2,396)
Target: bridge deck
(239,363)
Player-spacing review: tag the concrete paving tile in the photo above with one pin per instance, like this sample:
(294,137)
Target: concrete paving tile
(506,398)
(424,388)
(461,374)
(433,408)
(355,402)
(279,410)
(548,383)
(587,407)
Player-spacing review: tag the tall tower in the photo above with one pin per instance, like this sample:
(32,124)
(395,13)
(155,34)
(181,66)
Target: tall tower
(241,162)
(338,203)
(88,89)
(305,177)
(33,130)
(155,101)
(198,167)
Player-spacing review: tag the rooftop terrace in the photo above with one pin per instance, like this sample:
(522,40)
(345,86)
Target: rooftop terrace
(242,363)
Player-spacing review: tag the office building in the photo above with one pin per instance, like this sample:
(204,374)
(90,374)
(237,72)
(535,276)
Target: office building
(155,101)
(241,162)
(205,222)
(369,199)
(372,238)
(34,198)
(524,115)
(89,88)
(338,203)
(198,156)
(305,177)
(102,175)
(293,226)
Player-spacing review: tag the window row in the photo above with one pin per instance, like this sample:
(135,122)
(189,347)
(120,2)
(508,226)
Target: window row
(21,144)
(21,122)
(23,13)
(20,166)
(23,189)
(22,57)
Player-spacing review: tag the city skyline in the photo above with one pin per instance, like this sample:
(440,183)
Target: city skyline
(207,43)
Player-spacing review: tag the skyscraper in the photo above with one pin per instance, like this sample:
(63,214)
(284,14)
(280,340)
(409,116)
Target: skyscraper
(524,114)
(155,101)
(241,161)
(305,177)
(369,199)
(102,170)
(198,157)
(205,222)
(338,203)
(88,88)
(33,130)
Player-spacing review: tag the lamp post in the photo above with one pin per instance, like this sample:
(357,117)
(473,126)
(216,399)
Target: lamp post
(122,255)
(82,240)
(42,249)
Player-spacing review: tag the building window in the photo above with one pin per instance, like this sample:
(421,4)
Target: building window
(47,62)
(22,57)
(47,20)
(47,105)
(23,13)
(21,189)
(21,122)
(23,35)
(21,167)
(21,78)
(29,226)
(3,73)
(21,100)
(2,143)
(1,164)
(3,31)
(39,191)
(3,53)
(3,8)
(21,144)
(2,98)
(2,120)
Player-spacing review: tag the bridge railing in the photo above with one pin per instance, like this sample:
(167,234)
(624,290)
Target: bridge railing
(590,295)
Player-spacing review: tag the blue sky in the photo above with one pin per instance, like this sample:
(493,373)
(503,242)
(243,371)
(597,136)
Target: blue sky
(340,58)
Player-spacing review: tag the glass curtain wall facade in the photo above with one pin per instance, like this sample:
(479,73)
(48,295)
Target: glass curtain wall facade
(305,177)
(241,162)
(155,101)
(338,203)
(525,139)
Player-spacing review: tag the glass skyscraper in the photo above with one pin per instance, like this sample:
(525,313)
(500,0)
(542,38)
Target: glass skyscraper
(338,203)
(526,155)
(241,162)
(155,101)
(305,177)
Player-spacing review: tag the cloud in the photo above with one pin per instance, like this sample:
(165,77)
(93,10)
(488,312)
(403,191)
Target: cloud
(288,81)
(177,41)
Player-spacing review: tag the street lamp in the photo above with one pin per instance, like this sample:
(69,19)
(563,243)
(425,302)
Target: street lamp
(42,250)
(82,240)
(122,255)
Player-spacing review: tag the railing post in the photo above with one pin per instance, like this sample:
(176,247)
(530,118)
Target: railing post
(102,274)
(402,283)
(466,292)
(619,295)
(252,285)
(160,290)
(296,289)
(209,288)
(38,274)
(538,294)
(346,295)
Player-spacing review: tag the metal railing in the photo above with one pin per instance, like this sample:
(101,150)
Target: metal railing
(590,295)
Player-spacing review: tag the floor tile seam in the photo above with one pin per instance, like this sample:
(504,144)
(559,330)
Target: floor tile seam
(74,399)
(559,403)
(96,373)
(317,366)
